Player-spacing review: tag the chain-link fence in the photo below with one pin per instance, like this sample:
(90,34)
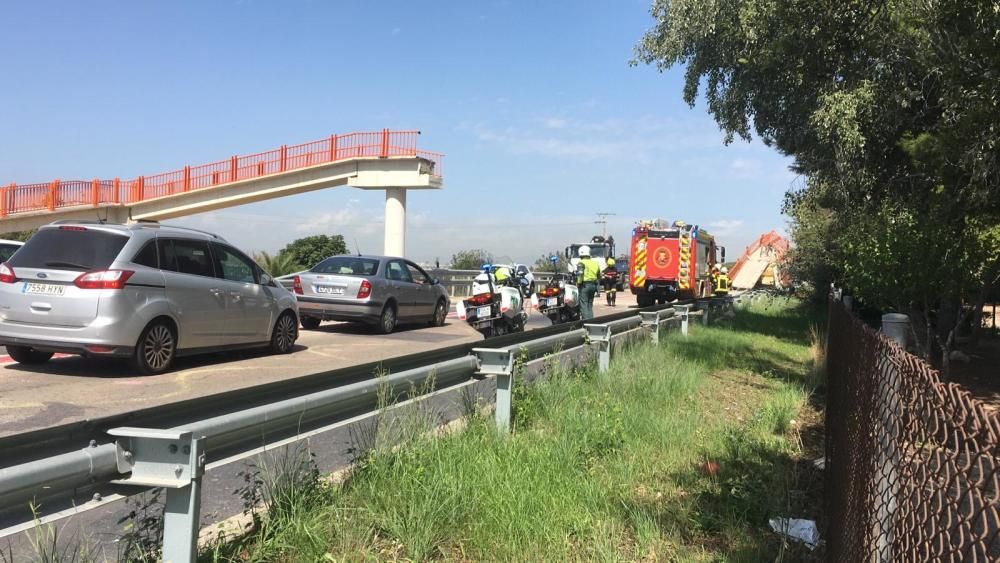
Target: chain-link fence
(912,471)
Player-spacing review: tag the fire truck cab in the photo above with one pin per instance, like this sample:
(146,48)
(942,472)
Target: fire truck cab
(671,261)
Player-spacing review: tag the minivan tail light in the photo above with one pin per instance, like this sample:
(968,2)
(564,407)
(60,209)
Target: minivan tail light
(7,274)
(104,279)
(297,285)
(365,290)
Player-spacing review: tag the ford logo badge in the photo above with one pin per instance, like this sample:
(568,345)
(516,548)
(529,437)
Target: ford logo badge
(42,275)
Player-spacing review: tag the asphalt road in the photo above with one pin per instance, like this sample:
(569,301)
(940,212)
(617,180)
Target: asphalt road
(72,388)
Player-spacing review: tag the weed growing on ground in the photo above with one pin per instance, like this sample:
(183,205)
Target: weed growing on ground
(681,452)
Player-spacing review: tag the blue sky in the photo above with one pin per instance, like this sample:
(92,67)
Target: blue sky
(542,120)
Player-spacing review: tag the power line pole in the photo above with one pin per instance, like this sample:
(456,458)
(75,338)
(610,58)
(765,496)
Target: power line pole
(603,222)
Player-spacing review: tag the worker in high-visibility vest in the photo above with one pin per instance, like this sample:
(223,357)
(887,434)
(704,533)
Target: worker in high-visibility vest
(722,282)
(588,271)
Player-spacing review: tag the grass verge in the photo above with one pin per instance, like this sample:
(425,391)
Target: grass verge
(682,452)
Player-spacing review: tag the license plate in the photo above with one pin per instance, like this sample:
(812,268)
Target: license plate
(330,290)
(484,312)
(43,288)
(552,302)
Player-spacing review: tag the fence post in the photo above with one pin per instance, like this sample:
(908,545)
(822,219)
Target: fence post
(333,148)
(187,178)
(115,186)
(53,190)
(283,158)
(896,326)
(601,334)
(95,191)
(704,314)
(140,189)
(174,460)
(3,199)
(232,169)
(385,144)
(500,363)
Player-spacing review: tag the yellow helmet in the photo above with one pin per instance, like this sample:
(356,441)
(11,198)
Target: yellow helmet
(611,261)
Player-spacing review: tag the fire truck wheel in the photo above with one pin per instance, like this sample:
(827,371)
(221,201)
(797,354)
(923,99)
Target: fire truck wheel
(644,299)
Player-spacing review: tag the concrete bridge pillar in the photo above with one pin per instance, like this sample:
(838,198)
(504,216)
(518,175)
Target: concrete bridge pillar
(395,221)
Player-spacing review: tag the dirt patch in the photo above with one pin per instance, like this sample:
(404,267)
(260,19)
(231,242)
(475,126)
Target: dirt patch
(981,375)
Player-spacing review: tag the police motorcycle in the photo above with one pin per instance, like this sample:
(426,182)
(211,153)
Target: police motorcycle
(559,300)
(495,308)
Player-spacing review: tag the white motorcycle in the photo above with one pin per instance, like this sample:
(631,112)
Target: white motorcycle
(493,309)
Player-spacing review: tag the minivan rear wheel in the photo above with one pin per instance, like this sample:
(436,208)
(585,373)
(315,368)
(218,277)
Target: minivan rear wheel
(27,355)
(157,347)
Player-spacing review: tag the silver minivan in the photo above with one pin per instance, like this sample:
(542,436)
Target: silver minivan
(144,291)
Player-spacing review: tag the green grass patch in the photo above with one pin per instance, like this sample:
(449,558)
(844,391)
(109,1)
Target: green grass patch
(682,452)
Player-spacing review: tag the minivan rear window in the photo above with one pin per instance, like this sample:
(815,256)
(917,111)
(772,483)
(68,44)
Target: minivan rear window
(74,248)
(347,266)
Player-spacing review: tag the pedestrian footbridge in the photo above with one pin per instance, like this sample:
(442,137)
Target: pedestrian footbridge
(381,160)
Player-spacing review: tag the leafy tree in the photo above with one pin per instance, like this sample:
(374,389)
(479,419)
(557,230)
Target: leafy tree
(308,251)
(470,259)
(279,264)
(22,236)
(891,110)
(544,262)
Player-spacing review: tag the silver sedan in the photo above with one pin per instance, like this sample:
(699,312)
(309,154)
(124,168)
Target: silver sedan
(383,291)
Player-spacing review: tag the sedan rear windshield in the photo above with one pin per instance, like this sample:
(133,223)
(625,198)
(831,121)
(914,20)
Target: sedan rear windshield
(74,248)
(347,266)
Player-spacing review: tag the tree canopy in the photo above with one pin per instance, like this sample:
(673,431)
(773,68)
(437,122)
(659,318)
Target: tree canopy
(544,262)
(891,110)
(307,252)
(470,259)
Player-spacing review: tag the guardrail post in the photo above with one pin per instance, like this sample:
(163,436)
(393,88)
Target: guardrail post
(283,158)
(333,148)
(651,319)
(174,460)
(115,186)
(95,191)
(3,199)
(232,168)
(601,334)
(499,363)
(704,316)
(685,311)
(187,178)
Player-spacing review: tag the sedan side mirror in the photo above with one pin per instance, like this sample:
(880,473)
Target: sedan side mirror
(435,281)
(266,279)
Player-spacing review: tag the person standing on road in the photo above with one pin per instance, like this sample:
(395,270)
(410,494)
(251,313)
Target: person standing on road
(587,272)
(610,279)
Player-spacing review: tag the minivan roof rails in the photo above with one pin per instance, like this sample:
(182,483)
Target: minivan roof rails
(211,234)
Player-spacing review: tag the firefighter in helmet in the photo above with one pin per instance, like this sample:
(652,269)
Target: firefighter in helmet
(610,279)
(722,282)
(587,273)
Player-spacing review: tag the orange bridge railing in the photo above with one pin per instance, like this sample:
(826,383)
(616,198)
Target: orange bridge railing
(57,194)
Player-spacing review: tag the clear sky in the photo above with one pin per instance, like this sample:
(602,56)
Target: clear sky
(542,120)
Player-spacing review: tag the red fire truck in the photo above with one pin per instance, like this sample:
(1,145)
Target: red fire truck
(671,261)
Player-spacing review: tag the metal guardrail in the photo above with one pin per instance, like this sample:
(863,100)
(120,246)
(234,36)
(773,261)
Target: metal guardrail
(457,282)
(175,457)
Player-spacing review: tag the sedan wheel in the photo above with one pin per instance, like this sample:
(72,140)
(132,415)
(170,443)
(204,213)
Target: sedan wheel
(284,335)
(440,313)
(387,322)
(310,323)
(156,349)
